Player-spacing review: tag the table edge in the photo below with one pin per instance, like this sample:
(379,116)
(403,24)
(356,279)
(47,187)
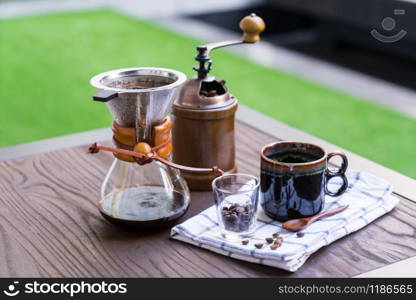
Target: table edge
(405,268)
(55,143)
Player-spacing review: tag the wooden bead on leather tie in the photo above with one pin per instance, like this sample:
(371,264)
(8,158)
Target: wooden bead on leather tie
(142,148)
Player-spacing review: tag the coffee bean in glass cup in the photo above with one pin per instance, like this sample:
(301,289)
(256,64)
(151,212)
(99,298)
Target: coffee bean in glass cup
(236,197)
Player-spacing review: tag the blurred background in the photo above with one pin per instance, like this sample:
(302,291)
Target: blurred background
(342,70)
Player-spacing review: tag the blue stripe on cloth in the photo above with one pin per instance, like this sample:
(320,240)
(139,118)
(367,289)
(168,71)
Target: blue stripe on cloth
(333,219)
(297,244)
(365,221)
(207,229)
(378,198)
(264,225)
(209,219)
(222,246)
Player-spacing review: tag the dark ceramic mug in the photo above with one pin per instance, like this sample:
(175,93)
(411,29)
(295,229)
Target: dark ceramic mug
(294,179)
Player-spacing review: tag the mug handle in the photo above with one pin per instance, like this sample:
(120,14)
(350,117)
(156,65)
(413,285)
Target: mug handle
(337,173)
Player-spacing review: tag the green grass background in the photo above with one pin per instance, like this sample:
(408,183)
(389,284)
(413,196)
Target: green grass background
(46,63)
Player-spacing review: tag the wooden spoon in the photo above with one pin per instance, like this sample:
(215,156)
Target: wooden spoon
(299,224)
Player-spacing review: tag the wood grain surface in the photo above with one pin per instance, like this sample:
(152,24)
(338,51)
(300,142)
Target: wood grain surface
(50,226)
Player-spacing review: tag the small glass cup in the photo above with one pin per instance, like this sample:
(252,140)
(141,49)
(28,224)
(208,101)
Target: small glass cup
(236,197)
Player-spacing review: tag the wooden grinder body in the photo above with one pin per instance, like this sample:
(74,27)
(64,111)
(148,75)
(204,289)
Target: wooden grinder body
(204,138)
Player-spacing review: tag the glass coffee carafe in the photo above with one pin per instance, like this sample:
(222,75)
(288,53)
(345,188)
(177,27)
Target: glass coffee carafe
(141,192)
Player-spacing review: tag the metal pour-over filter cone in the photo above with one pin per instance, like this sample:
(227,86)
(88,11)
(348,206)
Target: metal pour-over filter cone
(138,97)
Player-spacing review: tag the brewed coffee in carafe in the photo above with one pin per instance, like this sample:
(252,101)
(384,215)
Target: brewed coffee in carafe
(141,192)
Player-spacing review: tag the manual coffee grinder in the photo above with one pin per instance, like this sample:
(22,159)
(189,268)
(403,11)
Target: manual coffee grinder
(204,115)
(142,188)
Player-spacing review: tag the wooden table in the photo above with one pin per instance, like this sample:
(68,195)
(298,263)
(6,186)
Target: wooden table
(50,225)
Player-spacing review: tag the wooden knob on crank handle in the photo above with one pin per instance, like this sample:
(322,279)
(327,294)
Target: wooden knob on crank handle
(252,26)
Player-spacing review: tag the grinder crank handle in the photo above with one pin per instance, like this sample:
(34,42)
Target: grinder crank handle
(251,25)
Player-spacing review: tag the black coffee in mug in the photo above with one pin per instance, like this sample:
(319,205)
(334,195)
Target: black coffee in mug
(294,178)
(293,157)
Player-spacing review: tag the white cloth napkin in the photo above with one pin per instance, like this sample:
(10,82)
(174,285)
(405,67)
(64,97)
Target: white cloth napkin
(368,197)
